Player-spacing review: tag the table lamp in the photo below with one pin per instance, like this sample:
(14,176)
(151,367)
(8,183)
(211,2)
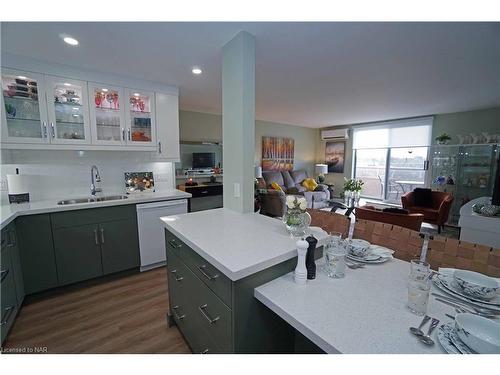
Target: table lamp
(321,170)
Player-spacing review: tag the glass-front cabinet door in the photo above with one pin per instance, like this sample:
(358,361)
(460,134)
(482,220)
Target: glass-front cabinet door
(24,111)
(140,118)
(106,114)
(67,111)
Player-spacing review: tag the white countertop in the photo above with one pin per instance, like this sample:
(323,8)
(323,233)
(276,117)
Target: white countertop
(237,244)
(363,313)
(9,212)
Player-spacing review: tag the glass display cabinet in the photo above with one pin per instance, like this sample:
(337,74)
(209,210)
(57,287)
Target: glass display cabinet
(140,118)
(106,114)
(67,111)
(24,113)
(467,171)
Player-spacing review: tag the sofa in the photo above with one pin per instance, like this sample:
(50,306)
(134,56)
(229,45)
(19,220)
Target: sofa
(273,202)
(435,208)
(391,216)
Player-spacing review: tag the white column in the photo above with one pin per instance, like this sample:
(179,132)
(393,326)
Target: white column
(238,122)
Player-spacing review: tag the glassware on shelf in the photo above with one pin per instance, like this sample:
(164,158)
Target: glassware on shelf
(140,117)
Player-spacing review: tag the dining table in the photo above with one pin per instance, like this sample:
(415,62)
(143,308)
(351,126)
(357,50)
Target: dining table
(411,184)
(364,312)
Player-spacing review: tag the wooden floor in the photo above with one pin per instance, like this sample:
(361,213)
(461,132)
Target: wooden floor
(126,315)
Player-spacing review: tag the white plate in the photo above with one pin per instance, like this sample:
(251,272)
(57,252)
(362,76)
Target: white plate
(450,293)
(449,283)
(374,260)
(450,341)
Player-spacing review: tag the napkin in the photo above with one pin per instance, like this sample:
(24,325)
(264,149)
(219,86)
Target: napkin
(381,251)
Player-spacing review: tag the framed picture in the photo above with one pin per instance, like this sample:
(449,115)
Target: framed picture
(277,154)
(334,156)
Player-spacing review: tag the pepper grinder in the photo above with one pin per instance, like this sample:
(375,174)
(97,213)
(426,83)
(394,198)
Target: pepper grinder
(310,263)
(300,275)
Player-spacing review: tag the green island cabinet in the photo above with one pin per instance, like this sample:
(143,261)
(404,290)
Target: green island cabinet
(218,315)
(12,285)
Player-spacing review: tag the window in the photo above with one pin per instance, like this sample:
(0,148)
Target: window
(391,157)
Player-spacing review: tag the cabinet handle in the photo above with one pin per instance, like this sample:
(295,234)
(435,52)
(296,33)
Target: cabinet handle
(204,352)
(202,309)
(6,317)
(128,134)
(102,235)
(4,274)
(159,147)
(12,237)
(202,269)
(178,317)
(123,134)
(95,237)
(177,278)
(44,124)
(52,129)
(174,244)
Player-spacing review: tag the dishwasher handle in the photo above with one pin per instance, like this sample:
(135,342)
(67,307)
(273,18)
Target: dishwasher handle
(176,202)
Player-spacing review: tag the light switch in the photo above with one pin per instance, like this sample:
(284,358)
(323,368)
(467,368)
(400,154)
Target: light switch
(236,190)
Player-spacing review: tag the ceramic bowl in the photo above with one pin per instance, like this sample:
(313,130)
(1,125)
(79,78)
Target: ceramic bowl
(358,248)
(480,334)
(476,284)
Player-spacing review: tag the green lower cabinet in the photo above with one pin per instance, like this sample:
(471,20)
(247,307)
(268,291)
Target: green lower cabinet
(8,298)
(119,245)
(36,251)
(16,265)
(78,253)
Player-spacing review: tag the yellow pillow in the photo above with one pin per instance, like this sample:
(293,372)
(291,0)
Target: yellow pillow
(310,184)
(276,186)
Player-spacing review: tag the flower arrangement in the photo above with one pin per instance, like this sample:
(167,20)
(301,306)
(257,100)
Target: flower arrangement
(296,203)
(352,184)
(296,218)
(443,139)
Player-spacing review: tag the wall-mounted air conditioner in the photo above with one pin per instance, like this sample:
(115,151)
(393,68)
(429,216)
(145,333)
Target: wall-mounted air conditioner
(335,135)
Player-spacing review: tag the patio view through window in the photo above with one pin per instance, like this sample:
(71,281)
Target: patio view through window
(391,158)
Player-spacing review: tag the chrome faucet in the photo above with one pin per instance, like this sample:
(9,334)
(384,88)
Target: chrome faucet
(94,177)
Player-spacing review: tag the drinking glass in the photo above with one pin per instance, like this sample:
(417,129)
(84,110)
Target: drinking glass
(419,285)
(335,254)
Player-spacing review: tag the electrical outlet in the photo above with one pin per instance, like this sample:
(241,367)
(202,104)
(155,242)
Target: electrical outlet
(161,177)
(236,190)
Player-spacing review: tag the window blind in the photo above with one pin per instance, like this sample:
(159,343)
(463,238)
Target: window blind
(401,133)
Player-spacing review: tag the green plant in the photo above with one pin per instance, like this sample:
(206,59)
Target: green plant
(443,137)
(352,184)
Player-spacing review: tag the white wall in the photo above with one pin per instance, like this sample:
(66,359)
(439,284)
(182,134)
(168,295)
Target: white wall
(65,174)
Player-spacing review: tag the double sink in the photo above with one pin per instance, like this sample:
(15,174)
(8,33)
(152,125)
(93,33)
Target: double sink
(93,199)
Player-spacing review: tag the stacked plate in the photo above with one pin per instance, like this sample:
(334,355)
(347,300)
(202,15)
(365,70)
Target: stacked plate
(470,334)
(362,251)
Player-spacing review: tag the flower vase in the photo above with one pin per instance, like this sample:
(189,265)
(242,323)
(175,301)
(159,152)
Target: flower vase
(356,197)
(347,197)
(296,222)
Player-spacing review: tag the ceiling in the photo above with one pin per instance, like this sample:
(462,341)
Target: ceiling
(308,74)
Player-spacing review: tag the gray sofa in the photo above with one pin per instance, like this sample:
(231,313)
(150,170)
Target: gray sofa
(273,202)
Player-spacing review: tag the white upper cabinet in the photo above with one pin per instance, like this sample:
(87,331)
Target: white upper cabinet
(140,118)
(107,114)
(24,111)
(67,107)
(167,127)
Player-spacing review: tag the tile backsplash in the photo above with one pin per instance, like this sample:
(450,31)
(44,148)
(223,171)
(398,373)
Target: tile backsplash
(65,174)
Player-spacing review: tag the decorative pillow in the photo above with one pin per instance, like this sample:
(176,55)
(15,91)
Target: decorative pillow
(276,186)
(310,184)
(422,197)
(395,210)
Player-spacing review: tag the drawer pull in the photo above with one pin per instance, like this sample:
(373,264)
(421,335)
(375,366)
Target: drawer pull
(102,235)
(178,317)
(95,237)
(6,317)
(203,311)
(4,274)
(203,270)
(204,352)
(177,278)
(174,244)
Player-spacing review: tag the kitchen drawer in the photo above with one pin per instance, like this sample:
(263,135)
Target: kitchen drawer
(204,191)
(211,276)
(92,215)
(173,244)
(8,298)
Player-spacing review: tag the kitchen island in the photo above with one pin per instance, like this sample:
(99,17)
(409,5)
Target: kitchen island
(215,260)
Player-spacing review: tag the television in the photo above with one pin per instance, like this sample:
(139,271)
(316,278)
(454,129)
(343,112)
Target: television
(203,160)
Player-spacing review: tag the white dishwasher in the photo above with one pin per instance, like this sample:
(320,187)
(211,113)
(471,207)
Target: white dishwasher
(152,231)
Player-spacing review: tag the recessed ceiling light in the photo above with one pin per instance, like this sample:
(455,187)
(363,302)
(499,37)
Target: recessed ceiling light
(21,77)
(196,70)
(67,84)
(137,94)
(71,41)
(104,90)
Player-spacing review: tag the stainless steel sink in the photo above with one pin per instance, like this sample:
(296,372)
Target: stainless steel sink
(96,199)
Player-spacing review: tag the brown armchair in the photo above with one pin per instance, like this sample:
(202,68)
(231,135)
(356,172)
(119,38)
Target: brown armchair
(410,221)
(437,210)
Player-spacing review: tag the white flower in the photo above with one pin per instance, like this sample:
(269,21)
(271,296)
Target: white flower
(290,199)
(290,205)
(302,200)
(303,205)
